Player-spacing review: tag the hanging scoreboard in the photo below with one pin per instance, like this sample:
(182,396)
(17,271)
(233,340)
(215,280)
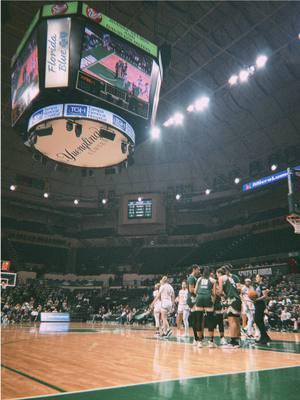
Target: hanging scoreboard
(140,209)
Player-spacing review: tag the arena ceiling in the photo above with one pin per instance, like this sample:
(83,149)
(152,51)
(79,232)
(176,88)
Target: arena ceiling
(209,42)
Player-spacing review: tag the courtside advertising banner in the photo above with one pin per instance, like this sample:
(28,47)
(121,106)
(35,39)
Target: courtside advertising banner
(57,57)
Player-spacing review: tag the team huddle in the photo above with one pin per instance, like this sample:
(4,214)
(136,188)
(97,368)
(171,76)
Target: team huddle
(205,300)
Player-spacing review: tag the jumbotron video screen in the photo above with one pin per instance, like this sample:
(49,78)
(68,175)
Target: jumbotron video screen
(25,79)
(118,64)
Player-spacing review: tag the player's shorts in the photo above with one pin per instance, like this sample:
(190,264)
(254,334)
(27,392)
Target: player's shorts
(166,305)
(234,307)
(182,307)
(157,308)
(204,303)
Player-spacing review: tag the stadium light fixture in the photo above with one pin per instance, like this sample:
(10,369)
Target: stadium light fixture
(178,118)
(274,167)
(13,188)
(237,181)
(251,70)
(244,75)
(155,132)
(46,195)
(76,202)
(202,103)
(261,61)
(191,108)
(104,201)
(140,199)
(169,122)
(178,196)
(207,191)
(233,80)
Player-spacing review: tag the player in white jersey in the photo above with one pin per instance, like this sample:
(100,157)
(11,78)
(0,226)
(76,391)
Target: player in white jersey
(248,308)
(167,298)
(183,310)
(157,309)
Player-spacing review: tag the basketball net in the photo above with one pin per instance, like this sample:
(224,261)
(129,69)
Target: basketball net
(294,220)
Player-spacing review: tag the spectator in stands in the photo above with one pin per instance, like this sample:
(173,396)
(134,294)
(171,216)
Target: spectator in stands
(285,319)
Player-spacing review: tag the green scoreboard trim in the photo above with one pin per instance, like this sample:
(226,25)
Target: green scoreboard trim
(123,32)
(106,22)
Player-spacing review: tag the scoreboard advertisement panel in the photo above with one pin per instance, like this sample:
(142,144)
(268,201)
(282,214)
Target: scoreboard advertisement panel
(140,209)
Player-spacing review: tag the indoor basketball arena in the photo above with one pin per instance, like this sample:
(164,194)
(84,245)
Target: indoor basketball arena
(150,200)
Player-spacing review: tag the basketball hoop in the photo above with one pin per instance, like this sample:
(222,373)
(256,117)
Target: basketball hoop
(294,220)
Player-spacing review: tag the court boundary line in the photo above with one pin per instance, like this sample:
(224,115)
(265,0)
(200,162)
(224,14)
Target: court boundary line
(157,381)
(41,382)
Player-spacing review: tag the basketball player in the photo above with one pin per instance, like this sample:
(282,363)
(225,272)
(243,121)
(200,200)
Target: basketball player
(247,308)
(157,309)
(191,281)
(167,297)
(205,291)
(183,310)
(228,288)
(262,294)
(219,316)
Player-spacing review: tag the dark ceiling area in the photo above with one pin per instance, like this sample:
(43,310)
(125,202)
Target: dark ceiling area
(209,42)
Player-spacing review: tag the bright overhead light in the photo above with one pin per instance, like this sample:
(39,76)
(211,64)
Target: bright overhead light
(261,61)
(273,167)
(244,75)
(155,132)
(76,202)
(12,188)
(202,103)
(233,80)
(237,181)
(140,199)
(169,122)
(178,196)
(207,191)
(104,201)
(251,70)
(191,108)
(46,195)
(178,118)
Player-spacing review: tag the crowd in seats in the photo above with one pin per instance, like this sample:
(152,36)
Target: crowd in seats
(25,302)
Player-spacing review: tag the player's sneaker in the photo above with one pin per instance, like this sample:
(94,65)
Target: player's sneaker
(199,344)
(168,333)
(231,346)
(223,341)
(211,345)
(195,342)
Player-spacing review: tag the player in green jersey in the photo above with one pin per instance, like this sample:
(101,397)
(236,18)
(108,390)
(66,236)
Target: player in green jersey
(205,291)
(228,286)
(191,300)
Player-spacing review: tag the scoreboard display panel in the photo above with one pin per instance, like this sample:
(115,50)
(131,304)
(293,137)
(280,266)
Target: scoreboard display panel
(115,71)
(25,79)
(140,209)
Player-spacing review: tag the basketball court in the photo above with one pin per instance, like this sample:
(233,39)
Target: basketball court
(101,63)
(86,361)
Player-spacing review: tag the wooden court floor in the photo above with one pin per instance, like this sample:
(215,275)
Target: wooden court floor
(85,361)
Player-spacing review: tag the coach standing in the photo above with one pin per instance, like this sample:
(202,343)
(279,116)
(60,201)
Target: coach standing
(260,305)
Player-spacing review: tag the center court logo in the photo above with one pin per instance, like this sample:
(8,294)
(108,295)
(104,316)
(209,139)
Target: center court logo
(93,14)
(59,9)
